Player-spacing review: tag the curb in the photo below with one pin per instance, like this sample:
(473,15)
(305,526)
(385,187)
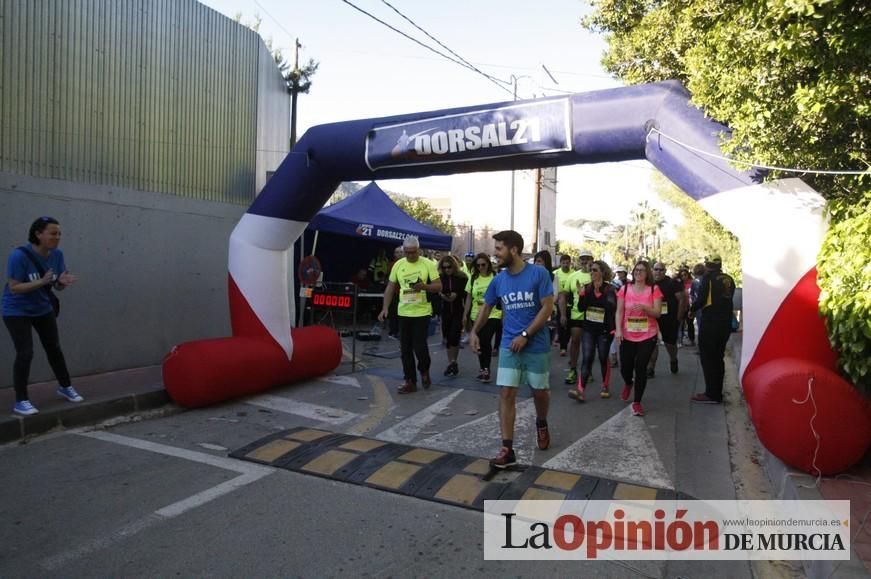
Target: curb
(789,484)
(14,428)
(793,485)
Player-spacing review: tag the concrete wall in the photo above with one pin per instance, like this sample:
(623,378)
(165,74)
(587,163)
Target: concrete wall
(152,270)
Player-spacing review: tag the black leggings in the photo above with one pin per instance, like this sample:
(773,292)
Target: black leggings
(634,357)
(412,342)
(591,343)
(452,327)
(46,328)
(492,328)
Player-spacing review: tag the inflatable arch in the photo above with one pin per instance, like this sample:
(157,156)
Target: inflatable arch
(803,410)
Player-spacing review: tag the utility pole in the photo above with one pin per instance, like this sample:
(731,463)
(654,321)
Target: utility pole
(537,217)
(514,78)
(293,92)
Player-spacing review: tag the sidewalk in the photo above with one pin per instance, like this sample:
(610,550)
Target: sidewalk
(854,485)
(106,396)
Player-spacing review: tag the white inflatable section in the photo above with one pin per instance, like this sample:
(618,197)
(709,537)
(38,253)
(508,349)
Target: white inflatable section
(781,227)
(258,262)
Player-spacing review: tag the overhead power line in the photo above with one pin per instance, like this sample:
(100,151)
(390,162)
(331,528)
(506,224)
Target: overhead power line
(274,19)
(755,165)
(426,46)
(437,41)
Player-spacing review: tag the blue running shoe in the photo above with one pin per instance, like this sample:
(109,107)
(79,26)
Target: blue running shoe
(25,408)
(70,394)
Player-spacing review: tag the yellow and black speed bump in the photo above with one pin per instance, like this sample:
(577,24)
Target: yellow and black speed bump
(451,478)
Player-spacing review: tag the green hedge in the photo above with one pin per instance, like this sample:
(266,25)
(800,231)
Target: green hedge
(844,277)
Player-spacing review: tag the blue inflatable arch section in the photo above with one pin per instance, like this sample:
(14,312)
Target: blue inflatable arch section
(603,126)
(781,225)
(606,126)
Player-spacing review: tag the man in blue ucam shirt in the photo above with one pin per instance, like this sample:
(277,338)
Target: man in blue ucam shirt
(525,294)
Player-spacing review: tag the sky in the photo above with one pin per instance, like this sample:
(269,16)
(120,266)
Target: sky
(367,70)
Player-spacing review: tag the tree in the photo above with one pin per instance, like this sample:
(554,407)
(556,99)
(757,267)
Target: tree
(790,78)
(343,191)
(298,80)
(698,236)
(421,210)
(644,231)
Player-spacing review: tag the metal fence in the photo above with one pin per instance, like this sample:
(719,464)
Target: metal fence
(155,95)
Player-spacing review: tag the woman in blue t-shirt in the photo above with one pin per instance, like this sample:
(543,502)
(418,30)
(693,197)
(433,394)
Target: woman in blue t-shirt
(28,302)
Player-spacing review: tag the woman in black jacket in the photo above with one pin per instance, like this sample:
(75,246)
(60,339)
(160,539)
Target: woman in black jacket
(598,301)
(453,295)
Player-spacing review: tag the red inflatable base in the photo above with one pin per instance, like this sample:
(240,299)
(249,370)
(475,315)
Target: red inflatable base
(787,410)
(206,372)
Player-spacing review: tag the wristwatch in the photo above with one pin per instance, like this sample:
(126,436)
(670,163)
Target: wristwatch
(525,334)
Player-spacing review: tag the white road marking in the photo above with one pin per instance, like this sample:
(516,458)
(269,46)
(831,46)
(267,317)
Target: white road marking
(481,437)
(210,446)
(250,474)
(192,455)
(408,429)
(343,380)
(201,498)
(620,448)
(304,409)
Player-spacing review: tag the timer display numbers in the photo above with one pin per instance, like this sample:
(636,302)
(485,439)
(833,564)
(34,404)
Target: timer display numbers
(333,301)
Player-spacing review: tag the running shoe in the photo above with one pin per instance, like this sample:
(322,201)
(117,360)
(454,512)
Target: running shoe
(407,387)
(562,353)
(577,394)
(485,376)
(627,390)
(504,459)
(637,410)
(571,376)
(673,366)
(543,436)
(24,408)
(605,393)
(704,399)
(70,394)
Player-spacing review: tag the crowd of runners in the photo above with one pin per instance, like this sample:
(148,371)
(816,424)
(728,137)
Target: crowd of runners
(598,316)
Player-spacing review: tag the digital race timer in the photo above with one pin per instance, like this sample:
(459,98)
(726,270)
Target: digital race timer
(332,300)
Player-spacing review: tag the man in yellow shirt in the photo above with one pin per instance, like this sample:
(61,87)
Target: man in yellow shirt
(561,274)
(570,315)
(413,277)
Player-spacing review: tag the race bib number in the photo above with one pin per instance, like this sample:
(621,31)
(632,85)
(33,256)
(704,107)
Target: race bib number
(636,325)
(412,297)
(664,309)
(596,315)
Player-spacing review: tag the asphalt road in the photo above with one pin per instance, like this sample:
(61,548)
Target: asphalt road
(160,497)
